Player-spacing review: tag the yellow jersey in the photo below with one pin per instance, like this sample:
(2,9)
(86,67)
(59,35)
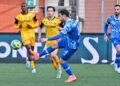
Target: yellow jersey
(51,26)
(27,34)
(25,19)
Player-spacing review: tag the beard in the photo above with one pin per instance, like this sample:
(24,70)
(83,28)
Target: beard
(117,14)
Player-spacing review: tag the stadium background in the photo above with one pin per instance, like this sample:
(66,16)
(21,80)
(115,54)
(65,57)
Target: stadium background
(91,15)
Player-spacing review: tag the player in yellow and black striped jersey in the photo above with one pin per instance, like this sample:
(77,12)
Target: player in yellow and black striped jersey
(52,25)
(26,22)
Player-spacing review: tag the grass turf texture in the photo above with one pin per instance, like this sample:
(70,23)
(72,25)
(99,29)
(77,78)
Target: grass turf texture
(88,75)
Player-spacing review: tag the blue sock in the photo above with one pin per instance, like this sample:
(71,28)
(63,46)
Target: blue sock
(46,51)
(117,60)
(67,68)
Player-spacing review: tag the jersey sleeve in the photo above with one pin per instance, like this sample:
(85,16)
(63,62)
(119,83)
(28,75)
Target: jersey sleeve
(41,25)
(108,20)
(67,28)
(36,22)
(35,18)
(16,23)
(106,25)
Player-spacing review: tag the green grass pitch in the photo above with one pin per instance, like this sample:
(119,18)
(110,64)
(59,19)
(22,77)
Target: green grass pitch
(88,75)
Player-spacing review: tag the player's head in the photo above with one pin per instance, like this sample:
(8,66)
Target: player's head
(24,7)
(50,11)
(117,10)
(63,14)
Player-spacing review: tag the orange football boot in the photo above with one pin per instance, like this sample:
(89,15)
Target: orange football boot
(35,55)
(71,79)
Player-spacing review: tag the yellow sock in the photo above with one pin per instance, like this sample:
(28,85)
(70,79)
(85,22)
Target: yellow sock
(32,64)
(55,62)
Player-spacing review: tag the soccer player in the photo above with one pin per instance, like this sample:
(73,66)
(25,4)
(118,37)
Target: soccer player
(52,25)
(70,43)
(114,22)
(26,22)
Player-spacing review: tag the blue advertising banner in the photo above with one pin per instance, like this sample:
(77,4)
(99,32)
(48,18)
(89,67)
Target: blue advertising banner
(93,49)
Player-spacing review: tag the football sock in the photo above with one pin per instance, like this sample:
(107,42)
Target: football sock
(55,62)
(32,64)
(66,67)
(117,60)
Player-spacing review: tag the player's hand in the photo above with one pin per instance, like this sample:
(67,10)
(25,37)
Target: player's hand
(106,38)
(44,39)
(29,26)
(20,26)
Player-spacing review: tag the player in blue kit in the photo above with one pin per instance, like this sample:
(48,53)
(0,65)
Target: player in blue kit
(114,22)
(70,43)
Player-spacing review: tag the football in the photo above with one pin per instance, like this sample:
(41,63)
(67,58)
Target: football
(16,44)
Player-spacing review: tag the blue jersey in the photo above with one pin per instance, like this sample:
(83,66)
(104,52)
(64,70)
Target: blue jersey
(114,25)
(72,32)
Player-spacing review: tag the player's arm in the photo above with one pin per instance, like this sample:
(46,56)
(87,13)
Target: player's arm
(106,30)
(67,28)
(56,37)
(64,31)
(40,31)
(17,25)
(36,22)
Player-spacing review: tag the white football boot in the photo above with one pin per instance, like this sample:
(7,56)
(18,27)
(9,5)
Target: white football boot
(33,70)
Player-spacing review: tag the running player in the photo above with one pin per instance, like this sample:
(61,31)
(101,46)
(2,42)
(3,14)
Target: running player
(114,22)
(26,22)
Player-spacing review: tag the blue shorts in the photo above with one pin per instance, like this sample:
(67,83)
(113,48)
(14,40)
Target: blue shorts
(115,41)
(68,52)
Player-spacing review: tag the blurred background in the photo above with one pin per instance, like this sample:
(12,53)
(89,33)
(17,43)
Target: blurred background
(90,13)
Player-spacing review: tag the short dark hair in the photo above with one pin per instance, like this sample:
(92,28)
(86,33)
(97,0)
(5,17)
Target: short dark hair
(64,12)
(117,5)
(23,3)
(51,7)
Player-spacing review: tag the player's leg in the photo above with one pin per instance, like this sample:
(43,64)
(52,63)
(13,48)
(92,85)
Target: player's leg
(48,50)
(32,63)
(30,59)
(117,60)
(56,63)
(29,42)
(51,48)
(53,56)
(68,52)
(27,63)
(66,55)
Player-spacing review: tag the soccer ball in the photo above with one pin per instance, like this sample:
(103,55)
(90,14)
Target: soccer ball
(16,44)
